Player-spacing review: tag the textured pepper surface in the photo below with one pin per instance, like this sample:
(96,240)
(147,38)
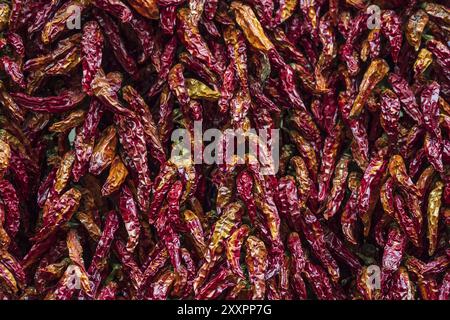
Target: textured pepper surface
(94,205)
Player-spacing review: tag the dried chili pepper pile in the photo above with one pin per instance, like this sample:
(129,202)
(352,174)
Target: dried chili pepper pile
(93,207)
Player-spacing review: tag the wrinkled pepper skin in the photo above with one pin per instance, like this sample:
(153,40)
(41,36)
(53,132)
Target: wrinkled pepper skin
(224,150)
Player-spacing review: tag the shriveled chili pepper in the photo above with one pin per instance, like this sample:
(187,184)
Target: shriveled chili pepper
(131,136)
(68,100)
(8,195)
(349,214)
(392,256)
(390,114)
(129,213)
(406,96)
(234,245)
(405,221)
(370,181)
(433,209)
(112,34)
(363,149)
(85,139)
(391,28)
(58,23)
(146,8)
(104,151)
(398,172)
(402,287)
(337,192)
(374,74)
(330,150)
(115,7)
(116,177)
(92,48)
(256,260)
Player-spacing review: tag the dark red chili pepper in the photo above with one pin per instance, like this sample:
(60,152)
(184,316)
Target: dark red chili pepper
(11,202)
(131,136)
(392,30)
(68,100)
(112,34)
(92,48)
(358,122)
(114,7)
(392,256)
(85,139)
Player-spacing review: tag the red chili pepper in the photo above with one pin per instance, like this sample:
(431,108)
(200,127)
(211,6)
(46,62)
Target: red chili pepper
(361,157)
(92,48)
(392,255)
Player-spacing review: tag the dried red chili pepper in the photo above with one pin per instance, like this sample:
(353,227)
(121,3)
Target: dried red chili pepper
(392,30)
(337,192)
(68,111)
(398,172)
(138,105)
(116,177)
(104,151)
(234,245)
(129,213)
(405,221)
(256,260)
(112,34)
(67,101)
(374,74)
(434,205)
(92,49)
(392,256)
(8,195)
(131,136)
(390,114)
(369,183)
(406,96)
